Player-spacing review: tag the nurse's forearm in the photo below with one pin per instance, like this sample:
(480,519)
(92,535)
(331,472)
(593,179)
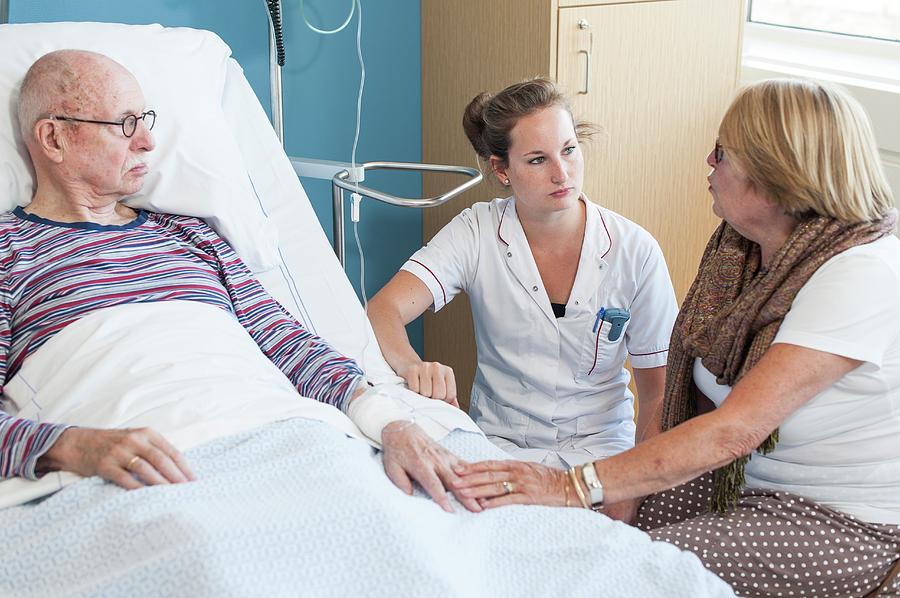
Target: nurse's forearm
(391,334)
(649,420)
(650,383)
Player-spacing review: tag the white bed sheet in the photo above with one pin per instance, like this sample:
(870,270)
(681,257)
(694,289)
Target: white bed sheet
(308,279)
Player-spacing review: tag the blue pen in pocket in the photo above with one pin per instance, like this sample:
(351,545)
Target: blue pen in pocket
(598,319)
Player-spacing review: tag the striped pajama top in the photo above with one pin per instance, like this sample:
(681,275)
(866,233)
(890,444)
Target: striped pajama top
(53,273)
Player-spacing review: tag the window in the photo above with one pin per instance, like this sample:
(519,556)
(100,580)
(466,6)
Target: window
(863,18)
(854,43)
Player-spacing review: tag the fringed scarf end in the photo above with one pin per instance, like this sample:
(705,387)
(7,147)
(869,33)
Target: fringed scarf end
(728,481)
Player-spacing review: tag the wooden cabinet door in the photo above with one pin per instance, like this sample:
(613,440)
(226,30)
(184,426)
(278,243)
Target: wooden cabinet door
(656,77)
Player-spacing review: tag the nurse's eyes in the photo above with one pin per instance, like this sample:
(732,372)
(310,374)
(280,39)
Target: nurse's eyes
(541,159)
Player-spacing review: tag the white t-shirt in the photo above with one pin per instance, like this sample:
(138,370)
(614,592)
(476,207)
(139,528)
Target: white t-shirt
(547,389)
(842,448)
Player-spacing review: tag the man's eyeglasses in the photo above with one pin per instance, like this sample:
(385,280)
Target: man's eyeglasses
(718,152)
(128,124)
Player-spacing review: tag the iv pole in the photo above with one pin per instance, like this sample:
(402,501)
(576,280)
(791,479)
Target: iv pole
(340,172)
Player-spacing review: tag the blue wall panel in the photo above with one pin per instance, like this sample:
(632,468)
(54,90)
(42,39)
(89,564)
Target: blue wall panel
(320,80)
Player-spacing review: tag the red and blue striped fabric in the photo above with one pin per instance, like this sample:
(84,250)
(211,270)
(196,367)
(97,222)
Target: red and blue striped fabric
(53,273)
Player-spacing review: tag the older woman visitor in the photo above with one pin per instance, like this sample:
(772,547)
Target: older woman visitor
(776,459)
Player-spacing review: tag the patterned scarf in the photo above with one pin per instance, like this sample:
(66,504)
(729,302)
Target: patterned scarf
(734,309)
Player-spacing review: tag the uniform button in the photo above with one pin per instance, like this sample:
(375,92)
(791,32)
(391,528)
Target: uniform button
(577,302)
(509,254)
(534,288)
(601,266)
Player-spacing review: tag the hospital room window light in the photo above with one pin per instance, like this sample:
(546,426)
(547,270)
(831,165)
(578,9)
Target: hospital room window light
(879,19)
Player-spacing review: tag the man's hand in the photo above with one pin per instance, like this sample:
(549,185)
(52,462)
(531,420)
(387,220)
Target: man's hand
(431,379)
(130,458)
(410,454)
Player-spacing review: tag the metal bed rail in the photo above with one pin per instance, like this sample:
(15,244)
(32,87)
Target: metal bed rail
(341,182)
(339,173)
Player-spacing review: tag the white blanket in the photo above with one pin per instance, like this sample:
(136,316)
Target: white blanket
(292,508)
(188,370)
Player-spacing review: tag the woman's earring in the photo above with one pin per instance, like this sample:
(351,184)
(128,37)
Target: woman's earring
(506,182)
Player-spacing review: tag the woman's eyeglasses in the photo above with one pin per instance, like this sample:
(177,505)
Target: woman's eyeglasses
(128,124)
(718,152)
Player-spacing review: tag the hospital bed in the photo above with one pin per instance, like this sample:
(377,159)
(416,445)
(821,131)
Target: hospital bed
(283,506)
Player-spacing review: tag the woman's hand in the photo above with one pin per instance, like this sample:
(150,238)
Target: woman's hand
(410,454)
(431,379)
(131,458)
(500,483)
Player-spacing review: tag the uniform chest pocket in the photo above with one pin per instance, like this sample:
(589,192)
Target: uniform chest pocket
(604,350)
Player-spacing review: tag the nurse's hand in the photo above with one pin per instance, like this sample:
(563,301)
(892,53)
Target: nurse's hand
(501,483)
(410,454)
(431,379)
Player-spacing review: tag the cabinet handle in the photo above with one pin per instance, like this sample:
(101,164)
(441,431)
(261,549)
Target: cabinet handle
(587,71)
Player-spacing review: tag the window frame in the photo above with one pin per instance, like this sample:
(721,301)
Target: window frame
(832,56)
(868,68)
(853,37)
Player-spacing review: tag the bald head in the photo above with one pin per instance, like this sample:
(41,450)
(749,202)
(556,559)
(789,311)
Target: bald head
(66,82)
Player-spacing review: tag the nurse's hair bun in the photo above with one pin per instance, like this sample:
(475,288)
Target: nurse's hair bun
(474,125)
(488,119)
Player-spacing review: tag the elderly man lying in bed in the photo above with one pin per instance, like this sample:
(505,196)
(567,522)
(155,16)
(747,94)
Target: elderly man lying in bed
(76,249)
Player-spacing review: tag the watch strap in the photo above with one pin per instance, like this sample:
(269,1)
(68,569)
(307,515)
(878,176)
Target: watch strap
(589,474)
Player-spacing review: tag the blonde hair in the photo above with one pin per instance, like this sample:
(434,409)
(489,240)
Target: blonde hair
(809,148)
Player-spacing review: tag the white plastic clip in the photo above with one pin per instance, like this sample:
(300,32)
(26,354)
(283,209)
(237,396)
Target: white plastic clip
(355,200)
(356,174)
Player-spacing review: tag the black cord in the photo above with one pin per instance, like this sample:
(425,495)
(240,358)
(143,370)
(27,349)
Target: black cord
(275,10)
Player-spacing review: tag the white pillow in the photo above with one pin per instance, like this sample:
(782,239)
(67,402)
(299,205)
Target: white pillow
(196,169)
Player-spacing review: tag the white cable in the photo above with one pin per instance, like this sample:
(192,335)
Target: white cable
(359,96)
(362,269)
(355,197)
(328,31)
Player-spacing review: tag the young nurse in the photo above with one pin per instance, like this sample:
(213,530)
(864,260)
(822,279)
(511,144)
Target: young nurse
(562,291)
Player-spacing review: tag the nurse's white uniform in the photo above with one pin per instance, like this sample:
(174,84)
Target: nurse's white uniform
(552,390)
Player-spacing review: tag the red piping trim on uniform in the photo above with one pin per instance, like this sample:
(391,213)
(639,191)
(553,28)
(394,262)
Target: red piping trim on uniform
(502,214)
(609,236)
(596,348)
(435,277)
(644,354)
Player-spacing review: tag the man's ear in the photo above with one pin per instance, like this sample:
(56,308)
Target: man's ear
(49,139)
(498,166)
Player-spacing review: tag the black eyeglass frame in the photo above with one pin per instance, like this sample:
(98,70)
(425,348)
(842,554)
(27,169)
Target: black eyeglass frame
(718,152)
(131,118)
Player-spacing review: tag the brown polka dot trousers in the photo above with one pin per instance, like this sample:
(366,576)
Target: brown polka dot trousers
(776,543)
